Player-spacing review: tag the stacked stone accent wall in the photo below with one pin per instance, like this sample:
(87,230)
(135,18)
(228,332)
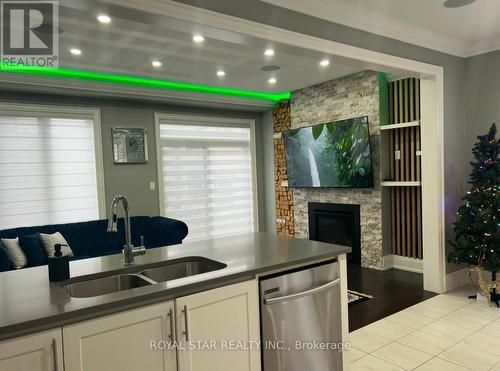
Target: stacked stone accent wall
(351,96)
(284,195)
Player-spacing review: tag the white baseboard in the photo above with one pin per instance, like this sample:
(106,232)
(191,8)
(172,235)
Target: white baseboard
(403,263)
(457,279)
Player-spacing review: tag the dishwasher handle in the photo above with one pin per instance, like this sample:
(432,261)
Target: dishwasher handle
(312,291)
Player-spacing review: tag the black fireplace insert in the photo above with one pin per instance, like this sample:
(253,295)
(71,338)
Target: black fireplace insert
(337,223)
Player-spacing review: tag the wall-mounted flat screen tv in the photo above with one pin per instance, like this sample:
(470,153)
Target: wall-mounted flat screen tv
(335,154)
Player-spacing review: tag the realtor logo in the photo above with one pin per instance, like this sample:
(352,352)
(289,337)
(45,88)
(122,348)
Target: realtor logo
(29,33)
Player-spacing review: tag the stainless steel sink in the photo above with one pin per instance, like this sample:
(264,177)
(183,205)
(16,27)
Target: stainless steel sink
(139,276)
(106,285)
(181,269)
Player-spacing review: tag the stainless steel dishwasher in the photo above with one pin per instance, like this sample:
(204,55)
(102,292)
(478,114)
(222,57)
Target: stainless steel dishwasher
(300,312)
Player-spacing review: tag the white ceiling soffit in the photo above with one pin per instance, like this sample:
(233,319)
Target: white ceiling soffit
(134,38)
(466,31)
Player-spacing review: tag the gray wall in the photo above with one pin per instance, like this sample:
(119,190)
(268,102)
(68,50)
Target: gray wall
(483,96)
(455,161)
(130,180)
(133,180)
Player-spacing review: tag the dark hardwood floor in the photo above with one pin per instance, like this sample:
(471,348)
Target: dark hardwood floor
(393,290)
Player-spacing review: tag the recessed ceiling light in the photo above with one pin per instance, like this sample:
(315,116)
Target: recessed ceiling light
(103,18)
(269,52)
(198,38)
(156,64)
(457,3)
(324,63)
(221,73)
(75,51)
(272,80)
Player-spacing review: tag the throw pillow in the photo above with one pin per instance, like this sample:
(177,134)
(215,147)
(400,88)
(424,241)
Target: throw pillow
(16,254)
(49,240)
(33,250)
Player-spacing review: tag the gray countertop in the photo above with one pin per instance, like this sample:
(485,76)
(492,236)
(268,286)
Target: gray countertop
(30,303)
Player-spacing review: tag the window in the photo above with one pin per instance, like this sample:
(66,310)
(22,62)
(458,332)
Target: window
(48,167)
(207,174)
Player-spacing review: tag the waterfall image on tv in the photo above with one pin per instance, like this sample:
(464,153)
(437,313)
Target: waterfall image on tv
(335,154)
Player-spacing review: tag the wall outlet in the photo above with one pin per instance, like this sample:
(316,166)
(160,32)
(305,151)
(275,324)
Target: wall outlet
(152,186)
(397,155)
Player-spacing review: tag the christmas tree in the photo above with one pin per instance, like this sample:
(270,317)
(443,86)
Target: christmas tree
(477,236)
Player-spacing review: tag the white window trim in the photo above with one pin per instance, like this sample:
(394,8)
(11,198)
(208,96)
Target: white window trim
(94,114)
(186,119)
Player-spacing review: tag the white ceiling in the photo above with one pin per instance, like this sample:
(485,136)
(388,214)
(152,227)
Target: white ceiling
(465,31)
(133,39)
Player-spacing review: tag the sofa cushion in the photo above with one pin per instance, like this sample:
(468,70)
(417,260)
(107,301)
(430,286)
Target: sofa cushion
(16,253)
(4,259)
(33,249)
(50,240)
(91,239)
(167,231)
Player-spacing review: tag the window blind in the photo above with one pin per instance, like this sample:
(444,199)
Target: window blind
(207,178)
(47,170)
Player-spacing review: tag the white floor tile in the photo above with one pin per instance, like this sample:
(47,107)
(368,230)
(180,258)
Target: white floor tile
(496,367)
(464,291)
(450,331)
(437,364)
(367,341)
(464,320)
(410,319)
(388,329)
(429,343)
(371,363)
(470,357)
(481,310)
(445,333)
(355,354)
(492,329)
(450,302)
(484,342)
(403,356)
(428,310)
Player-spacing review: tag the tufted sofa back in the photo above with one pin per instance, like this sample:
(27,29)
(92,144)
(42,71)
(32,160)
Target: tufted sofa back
(91,239)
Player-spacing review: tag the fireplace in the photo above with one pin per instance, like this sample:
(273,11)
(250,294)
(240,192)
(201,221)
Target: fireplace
(336,223)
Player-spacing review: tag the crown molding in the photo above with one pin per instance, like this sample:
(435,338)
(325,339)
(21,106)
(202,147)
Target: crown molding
(345,14)
(29,83)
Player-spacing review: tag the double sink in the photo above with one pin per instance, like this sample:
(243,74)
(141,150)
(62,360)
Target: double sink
(142,276)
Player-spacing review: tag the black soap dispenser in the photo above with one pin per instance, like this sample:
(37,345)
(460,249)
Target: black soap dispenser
(58,265)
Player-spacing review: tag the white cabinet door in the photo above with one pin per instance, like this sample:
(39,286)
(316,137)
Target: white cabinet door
(39,352)
(210,320)
(122,341)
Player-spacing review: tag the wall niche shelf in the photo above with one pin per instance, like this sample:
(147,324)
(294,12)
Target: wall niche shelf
(400,146)
(392,183)
(400,125)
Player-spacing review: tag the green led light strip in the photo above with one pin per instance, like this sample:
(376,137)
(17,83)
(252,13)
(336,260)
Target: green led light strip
(141,81)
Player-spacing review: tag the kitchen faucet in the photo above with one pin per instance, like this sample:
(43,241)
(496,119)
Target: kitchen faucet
(129,251)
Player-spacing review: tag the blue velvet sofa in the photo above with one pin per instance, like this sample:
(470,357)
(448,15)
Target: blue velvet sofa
(91,239)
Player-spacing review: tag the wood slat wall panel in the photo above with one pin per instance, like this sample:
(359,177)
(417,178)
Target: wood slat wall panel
(406,218)
(391,155)
(417,148)
(391,102)
(397,211)
(406,222)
